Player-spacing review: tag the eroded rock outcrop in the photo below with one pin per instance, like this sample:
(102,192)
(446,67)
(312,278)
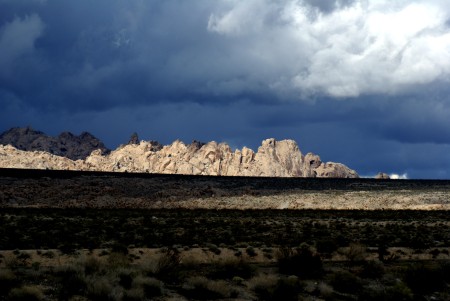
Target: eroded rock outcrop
(11,157)
(273,159)
(66,144)
(382,176)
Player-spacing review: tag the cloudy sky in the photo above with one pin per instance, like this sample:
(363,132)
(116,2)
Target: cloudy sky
(361,82)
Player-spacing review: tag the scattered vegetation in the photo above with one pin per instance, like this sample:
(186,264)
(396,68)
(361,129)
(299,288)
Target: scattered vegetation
(248,255)
(302,262)
(26,293)
(69,230)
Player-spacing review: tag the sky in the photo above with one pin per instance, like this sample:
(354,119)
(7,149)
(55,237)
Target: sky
(361,82)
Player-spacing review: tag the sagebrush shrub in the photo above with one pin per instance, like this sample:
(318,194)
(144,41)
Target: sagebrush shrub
(168,266)
(126,277)
(251,251)
(270,287)
(26,293)
(201,288)
(100,289)
(8,280)
(422,279)
(346,282)
(302,262)
(150,286)
(72,281)
(355,252)
(372,269)
(134,294)
(230,268)
(91,265)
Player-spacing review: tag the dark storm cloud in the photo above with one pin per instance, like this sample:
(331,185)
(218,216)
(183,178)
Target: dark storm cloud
(113,53)
(90,56)
(328,6)
(135,52)
(418,122)
(368,78)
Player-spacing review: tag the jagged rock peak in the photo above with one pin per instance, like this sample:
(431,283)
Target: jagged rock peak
(19,137)
(196,145)
(65,144)
(273,159)
(134,139)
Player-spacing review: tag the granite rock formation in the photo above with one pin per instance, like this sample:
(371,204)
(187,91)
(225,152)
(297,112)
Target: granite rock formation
(11,157)
(134,139)
(273,159)
(382,176)
(66,144)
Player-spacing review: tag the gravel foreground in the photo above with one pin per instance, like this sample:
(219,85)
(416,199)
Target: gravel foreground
(73,189)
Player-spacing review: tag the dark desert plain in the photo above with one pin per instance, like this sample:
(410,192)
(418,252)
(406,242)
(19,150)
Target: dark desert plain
(365,84)
(71,235)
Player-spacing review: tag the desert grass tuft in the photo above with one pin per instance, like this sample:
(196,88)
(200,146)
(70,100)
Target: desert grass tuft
(151,287)
(271,287)
(26,293)
(202,288)
(301,261)
(8,280)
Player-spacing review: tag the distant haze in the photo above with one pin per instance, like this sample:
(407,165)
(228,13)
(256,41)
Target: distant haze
(364,83)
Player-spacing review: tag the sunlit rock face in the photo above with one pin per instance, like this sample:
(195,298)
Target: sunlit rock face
(273,159)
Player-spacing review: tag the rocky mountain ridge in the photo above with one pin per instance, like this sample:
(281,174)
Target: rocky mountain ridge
(65,144)
(273,159)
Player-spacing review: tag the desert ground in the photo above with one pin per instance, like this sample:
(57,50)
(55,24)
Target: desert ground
(105,236)
(74,189)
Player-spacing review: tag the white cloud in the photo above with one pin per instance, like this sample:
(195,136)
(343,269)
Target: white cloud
(365,47)
(395,176)
(392,176)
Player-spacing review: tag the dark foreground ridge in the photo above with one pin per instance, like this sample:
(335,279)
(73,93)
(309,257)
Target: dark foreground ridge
(81,189)
(232,182)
